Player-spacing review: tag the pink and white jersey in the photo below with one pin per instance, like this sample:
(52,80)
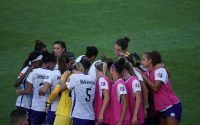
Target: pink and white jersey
(164,97)
(102,83)
(24,100)
(118,89)
(133,86)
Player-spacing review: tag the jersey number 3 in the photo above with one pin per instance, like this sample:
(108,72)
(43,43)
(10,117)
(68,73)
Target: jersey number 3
(87,99)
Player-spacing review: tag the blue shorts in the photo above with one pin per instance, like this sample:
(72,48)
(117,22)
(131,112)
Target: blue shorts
(77,121)
(37,118)
(50,117)
(29,113)
(175,111)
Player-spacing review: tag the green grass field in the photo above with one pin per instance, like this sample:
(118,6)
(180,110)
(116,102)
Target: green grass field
(172,27)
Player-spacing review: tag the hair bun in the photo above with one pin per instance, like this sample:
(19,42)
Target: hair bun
(126,39)
(121,61)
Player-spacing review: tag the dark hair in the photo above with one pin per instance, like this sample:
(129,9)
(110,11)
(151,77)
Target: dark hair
(69,55)
(154,56)
(48,57)
(134,59)
(108,61)
(33,55)
(16,115)
(128,66)
(62,44)
(86,63)
(91,51)
(119,65)
(123,43)
(62,61)
(39,46)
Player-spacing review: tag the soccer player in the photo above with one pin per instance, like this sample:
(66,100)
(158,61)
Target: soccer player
(121,46)
(59,47)
(165,100)
(102,95)
(119,98)
(90,54)
(24,101)
(134,95)
(83,91)
(19,117)
(134,59)
(64,105)
(36,79)
(92,69)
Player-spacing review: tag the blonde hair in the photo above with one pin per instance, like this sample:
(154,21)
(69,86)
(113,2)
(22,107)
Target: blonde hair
(78,66)
(101,66)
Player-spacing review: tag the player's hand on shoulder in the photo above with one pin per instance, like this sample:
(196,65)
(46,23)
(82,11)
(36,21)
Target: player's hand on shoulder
(18,92)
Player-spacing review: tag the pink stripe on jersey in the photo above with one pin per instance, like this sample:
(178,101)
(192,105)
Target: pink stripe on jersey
(116,107)
(131,97)
(98,102)
(164,97)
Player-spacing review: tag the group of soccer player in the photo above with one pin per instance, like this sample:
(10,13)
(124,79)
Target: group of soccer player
(59,89)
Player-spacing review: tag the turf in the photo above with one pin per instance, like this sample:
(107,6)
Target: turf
(171,26)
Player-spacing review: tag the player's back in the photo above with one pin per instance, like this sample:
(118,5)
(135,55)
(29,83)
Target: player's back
(83,92)
(37,78)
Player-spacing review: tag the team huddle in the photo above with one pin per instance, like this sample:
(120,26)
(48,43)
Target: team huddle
(59,89)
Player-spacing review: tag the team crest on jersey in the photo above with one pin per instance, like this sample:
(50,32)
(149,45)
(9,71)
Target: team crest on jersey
(160,75)
(137,85)
(122,88)
(103,83)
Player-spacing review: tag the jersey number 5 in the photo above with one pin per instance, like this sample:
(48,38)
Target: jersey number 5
(87,99)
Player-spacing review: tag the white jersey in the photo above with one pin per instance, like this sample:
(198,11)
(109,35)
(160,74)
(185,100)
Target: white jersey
(78,59)
(56,75)
(37,78)
(24,100)
(138,75)
(56,67)
(83,92)
(92,70)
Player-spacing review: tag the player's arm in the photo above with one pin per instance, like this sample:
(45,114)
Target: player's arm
(155,86)
(105,103)
(64,78)
(138,99)
(45,88)
(144,94)
(28,90)
(22,75)
(124,100)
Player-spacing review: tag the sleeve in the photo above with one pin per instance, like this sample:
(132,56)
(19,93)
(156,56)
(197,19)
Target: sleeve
(48,77)
(30,77)
(103,83)
(121,89)
(23,72)
(138,75)
(136,86)
(161,74)
(72,81)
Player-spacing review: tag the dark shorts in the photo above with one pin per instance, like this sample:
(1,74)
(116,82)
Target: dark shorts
(37,118)
(29,113)
(77,121)
(50,117)
(175,111)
